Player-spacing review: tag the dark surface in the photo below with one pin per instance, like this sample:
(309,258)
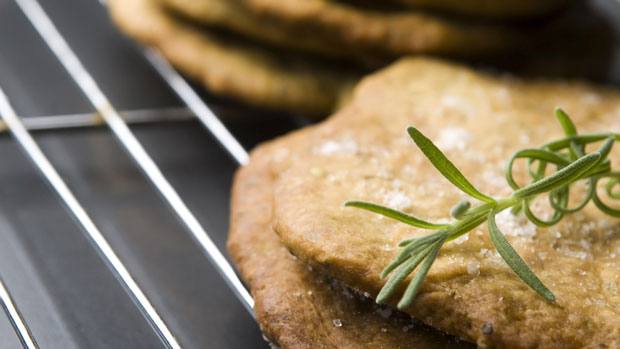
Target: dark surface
(66,293)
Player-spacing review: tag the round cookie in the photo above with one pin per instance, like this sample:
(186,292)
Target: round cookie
(295,306)
(479,121)
(372,38)
(338,29)
(235,67)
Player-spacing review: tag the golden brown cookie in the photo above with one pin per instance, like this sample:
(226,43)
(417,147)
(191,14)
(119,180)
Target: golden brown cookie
(296,307)
(478,120)
(338,29)
(233,67)
(233,16)
(562,46)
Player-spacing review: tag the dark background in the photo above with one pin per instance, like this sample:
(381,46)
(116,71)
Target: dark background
(65,292)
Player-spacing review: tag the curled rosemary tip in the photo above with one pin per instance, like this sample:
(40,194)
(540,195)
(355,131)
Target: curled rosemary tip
(572,163)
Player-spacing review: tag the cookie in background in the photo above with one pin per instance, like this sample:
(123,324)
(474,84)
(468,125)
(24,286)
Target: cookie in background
(304,56)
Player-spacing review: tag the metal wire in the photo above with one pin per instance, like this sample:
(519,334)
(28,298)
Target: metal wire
(65,121)
(202,111)
(85,81)
(16,319)
(31,148)
(197,105)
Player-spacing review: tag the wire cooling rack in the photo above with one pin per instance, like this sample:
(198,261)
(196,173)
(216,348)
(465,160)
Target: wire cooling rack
(121,263)
(162,327)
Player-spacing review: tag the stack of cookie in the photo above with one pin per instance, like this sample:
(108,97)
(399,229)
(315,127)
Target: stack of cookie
(313,265)
(305,55)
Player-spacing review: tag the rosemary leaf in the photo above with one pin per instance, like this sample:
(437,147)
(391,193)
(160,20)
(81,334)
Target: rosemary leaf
(601,168)
(395,214)
(575,150)
(515,262)
(558,198)
(407,252)
(443,165)
(432,236)
(416,282)
(566,122)
(401,274)
(605,148)
(564,176)
(543,155)
(579,139)
(609,188)
(557,216)
(603,207)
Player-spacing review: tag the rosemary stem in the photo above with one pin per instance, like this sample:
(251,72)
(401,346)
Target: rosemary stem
(572,164)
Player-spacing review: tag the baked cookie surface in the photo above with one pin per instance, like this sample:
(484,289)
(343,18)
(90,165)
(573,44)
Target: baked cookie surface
(295,306)
(339,29)
(478,120)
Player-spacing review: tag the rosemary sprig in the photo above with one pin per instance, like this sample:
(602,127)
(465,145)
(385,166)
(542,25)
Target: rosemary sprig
(572,164)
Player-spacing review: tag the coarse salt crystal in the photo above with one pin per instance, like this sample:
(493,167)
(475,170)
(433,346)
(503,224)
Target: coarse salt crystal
(576,254)
(454,138)
(512,225)
(495,179)
(473,268)
(457,103)
(397,199)
(461,239)
(604,224)
(344,147)
(281,154)
(591,98)
(524,138)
